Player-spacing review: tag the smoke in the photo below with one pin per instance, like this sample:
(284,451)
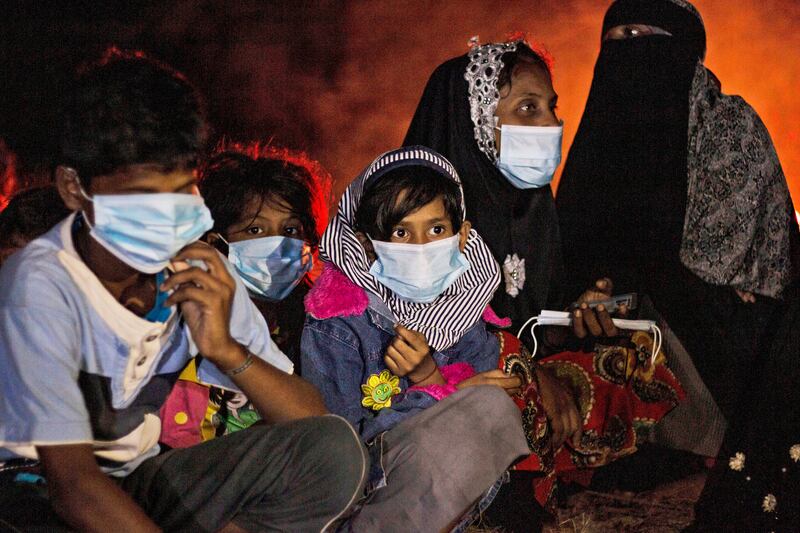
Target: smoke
(341,79)
(393,47)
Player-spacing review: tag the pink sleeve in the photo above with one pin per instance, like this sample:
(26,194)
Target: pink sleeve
(453,375)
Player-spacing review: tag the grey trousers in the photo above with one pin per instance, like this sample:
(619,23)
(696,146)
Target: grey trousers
(298,476)
(440,462)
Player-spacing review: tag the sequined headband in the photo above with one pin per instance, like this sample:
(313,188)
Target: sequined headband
(485,64)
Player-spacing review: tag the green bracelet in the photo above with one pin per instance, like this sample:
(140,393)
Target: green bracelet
(238,370)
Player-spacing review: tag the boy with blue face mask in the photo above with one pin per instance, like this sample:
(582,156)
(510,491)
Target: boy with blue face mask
(99,316)
(268,207)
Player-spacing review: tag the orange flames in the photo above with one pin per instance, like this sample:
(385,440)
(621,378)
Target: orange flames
(341,79)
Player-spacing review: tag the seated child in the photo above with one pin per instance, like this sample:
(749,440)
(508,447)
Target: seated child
(268,210)
(395,341)
(99,315)
(273,203)
(28,215)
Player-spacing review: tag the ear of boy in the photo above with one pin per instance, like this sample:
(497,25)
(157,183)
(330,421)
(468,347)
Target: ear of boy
(69,188)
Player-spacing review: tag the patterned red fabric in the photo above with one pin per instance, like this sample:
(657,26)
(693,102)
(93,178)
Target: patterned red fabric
(620,396)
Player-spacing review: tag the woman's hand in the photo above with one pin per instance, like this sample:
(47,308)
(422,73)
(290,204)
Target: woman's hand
(596,322)
(746,297)
(560,408)
(510,383)
(409,355)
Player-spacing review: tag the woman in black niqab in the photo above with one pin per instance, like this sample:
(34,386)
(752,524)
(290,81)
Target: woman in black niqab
(674,189)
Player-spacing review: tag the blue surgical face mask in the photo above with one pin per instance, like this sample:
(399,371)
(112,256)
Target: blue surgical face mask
(145,231)
(529,155)
(271,266)
(418,272)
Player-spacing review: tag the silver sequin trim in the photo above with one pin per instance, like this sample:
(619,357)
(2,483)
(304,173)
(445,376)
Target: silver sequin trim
(485,64)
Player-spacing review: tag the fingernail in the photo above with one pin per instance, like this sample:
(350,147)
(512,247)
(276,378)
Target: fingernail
(601,307)
(584,305)
(578,313)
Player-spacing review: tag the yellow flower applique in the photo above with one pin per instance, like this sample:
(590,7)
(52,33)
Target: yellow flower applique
(379,389)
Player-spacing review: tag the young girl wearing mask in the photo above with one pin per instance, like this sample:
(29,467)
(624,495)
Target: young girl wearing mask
(396,335)
(269,208)
(395,342)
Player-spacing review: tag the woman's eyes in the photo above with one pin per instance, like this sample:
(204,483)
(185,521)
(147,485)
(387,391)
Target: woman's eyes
(631,31)
(254,230)
(292,231)
(530,109)
(438,230)
(399,233)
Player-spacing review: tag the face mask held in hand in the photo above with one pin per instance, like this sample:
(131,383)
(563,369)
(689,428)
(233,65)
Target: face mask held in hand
(418,272)
(271,266)
(529,155)
(145,231)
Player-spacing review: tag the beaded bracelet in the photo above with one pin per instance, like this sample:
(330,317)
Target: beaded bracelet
(238,370)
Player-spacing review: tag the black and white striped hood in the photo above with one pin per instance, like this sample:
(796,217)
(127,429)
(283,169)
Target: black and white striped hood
(461,305)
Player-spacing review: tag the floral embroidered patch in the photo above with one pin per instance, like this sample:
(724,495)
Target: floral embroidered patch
(379,389)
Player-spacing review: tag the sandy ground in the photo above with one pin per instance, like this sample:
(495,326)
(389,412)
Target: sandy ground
(666,509)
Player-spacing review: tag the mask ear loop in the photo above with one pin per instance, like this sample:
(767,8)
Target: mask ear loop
(657,342)
(535,320)
(85,197)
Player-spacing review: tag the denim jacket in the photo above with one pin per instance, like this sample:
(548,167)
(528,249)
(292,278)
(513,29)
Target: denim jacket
(343,345)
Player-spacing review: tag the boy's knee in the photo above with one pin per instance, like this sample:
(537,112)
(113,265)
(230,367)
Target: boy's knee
(338,449)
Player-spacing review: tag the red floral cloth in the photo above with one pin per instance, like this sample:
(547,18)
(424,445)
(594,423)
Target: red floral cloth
(619,393)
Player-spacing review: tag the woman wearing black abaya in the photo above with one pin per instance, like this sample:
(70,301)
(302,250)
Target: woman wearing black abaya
(492,113)
(675,190)
(518,224)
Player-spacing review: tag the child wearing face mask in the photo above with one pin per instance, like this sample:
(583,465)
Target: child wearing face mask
(268,207)
(99,315)
(395,341)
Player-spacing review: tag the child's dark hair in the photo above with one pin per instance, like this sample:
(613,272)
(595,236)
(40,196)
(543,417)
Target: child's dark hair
(525,53)
(129,109)
(379,210)
(30,214)
(237,174)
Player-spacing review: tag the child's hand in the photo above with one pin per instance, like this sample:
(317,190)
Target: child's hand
(511,383)
(205,298)
(409,355)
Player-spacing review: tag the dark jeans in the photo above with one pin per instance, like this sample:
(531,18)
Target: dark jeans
(298,476)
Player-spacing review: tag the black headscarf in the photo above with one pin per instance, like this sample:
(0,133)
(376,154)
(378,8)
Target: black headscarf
(673,189)
(622,194)
(511,220)
(667,172)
